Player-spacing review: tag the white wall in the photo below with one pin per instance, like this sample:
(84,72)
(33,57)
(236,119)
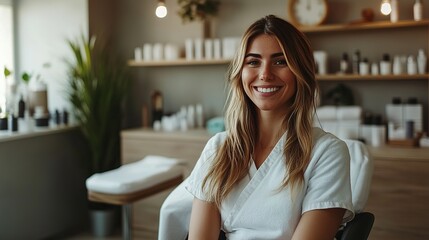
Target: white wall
(43,26)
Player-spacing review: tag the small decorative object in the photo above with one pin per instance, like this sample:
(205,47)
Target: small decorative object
(367,15)
(418,10)
(201,10)
(308,12)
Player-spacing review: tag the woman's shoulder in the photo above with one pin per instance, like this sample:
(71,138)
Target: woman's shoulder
(216,140)
(322,139)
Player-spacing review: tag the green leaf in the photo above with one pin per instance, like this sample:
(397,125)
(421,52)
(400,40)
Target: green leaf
(7,72)
(26,77)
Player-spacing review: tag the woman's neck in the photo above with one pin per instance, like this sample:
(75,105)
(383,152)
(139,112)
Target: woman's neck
(270,129)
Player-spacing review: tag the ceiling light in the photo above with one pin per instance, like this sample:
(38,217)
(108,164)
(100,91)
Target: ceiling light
(161,9)
(386,8)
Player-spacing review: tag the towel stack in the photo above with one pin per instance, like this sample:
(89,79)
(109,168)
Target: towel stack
(342,121)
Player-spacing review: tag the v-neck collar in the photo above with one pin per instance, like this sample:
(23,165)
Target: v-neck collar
(276,149)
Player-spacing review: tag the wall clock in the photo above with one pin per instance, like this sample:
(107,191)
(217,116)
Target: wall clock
(307,12)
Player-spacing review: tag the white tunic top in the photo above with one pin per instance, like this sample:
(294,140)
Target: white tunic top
(255,209)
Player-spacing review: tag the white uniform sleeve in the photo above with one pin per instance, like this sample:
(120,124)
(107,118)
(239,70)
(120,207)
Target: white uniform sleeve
(328,179)
(195,180)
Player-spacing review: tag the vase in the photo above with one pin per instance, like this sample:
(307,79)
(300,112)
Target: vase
(103,222)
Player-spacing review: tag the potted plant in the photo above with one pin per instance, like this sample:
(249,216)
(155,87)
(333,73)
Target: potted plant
(97,90)
(191,10)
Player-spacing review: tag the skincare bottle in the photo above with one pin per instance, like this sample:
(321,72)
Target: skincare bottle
(13,123)
(344,64)
(411,65)
(138,54)
(421,61)
(57,118)
(397,66)
(157,106)
(65,117)
(385,65)
(364,67)
(395,11)
(21,107)
(378,132)
(418,10)
(413,111)
(355,62)
(395,112)
(199,115)
(374,69)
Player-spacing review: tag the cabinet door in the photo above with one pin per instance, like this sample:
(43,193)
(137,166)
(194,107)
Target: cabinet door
(399,199)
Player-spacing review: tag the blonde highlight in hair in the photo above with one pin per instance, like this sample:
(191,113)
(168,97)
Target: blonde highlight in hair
(233,158)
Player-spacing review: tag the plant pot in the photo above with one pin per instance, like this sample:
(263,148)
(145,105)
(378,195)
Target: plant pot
(3,123)
(103,222)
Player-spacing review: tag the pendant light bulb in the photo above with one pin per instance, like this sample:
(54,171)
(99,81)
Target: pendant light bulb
(385,8)
(161,10)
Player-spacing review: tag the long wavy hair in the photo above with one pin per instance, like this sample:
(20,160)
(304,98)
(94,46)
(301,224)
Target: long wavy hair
(233,158)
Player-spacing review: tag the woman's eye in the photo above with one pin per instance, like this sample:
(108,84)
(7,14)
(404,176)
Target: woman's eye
(280,62)
(252,62)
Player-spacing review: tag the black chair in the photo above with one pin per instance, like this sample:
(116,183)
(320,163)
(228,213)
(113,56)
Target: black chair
(357,229)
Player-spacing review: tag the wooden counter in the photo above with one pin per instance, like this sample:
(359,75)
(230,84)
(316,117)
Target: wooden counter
(400,193)
(398,198)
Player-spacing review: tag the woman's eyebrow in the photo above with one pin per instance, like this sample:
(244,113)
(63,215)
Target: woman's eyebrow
(274,55)
(253,55)
(279,54)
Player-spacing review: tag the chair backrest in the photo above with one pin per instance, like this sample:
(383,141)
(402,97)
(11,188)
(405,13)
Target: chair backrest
(176,210)
(361,168)
(357,229)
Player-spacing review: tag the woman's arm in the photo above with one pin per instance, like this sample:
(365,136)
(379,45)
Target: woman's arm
(319,224)
(205,221)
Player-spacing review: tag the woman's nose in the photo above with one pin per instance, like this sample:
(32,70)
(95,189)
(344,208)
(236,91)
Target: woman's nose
(266,74)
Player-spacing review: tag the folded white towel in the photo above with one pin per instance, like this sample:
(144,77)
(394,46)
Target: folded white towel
(349,113)
(327,113)
(136,176)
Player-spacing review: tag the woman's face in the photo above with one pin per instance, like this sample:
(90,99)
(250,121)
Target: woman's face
(266,77)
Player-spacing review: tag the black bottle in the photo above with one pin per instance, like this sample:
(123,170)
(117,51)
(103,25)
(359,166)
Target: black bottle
(21,108)
(65,117)
(355,62)
(57,117)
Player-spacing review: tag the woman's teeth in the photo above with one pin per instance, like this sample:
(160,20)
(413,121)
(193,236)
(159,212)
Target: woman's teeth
(267,90)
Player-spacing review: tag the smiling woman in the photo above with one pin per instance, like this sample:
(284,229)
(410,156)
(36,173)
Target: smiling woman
(6,46)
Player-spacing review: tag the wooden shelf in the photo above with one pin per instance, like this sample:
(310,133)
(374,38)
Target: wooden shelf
(355,77)
(364,26)
(178,62)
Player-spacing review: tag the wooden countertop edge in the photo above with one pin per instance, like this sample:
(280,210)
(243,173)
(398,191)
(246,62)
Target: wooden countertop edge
(390,153)
(7,136)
